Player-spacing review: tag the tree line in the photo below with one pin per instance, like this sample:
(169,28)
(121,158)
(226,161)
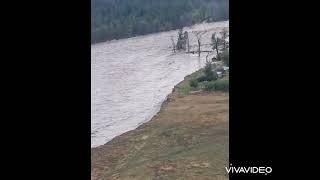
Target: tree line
(115,19)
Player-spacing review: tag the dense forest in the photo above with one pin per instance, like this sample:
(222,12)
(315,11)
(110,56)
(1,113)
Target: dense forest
(115,19)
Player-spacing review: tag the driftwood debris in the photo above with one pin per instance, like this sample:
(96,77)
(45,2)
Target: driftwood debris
(203,51)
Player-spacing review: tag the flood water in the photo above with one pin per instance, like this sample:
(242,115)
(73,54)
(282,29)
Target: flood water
(130,78)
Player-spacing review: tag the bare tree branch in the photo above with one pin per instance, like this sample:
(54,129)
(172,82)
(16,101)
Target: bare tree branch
(173,44)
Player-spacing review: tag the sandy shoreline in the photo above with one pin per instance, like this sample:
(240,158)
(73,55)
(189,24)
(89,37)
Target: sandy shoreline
(187,138)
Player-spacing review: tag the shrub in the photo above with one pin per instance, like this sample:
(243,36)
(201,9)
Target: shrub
(212,77)
(219,85)
(194,83)
(208,69)
(225,57)
(202,78)
(209,86)
(209,75)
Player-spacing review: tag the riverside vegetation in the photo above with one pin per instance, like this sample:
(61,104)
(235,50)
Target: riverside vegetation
(207,79)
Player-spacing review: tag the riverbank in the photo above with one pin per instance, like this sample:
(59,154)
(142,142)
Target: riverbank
(187,139)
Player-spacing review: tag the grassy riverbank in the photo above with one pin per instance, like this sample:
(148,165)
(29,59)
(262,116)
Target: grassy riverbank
(187,139)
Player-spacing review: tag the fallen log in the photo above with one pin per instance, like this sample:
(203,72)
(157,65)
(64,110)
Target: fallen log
(193,52)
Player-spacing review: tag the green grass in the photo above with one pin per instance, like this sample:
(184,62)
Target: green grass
(184,88)
(169,151)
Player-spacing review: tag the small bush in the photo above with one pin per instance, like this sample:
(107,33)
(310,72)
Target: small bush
(210,77)
(202,78)
(213,76)
(208,69)
(219,85)
(225,57)
(209,86)
(184,89)
(194,83)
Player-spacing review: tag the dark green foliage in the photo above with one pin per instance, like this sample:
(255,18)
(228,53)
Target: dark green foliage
(115,19)
(222,56)
(225,57)
(194,83)
(208,69)
(202,78)
(209,86)
(209,75)
(219,85)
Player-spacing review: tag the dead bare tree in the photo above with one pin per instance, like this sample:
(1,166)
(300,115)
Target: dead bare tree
(173,44)
(186,37)
(181,40)
(215,43)
(198,35)
(224,35)
(199,44)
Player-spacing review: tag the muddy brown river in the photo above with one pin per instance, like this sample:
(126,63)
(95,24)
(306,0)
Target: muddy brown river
(130,78)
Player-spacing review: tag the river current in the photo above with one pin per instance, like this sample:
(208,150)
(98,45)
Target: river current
(130,78)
